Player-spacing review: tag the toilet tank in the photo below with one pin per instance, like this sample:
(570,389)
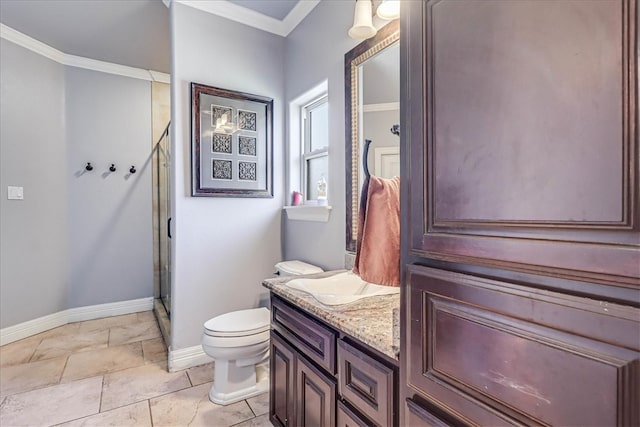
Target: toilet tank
(296,268)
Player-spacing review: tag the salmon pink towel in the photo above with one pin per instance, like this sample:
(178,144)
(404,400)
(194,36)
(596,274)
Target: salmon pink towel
(378,244)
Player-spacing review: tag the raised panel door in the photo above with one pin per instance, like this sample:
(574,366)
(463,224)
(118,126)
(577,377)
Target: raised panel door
(315,396)
(524,144)
(282,383)
(495,351)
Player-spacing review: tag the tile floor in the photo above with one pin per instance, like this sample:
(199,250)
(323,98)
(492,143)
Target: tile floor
(110,372)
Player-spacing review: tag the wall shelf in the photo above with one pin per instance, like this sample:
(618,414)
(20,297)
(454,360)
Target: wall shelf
(308,213)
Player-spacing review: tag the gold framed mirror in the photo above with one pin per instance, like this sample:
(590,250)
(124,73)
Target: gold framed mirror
(354,60)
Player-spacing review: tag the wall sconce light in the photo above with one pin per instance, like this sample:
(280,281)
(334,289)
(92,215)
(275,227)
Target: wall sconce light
(362,21)
(362,18)
(389,10)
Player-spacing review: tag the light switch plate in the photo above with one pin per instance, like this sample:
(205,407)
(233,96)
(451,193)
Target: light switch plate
(15,193)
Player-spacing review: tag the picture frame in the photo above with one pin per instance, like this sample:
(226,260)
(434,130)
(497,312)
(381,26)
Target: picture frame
(231,143)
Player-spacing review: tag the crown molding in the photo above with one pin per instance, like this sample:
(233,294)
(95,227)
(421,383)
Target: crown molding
(297,14)
(157,76)
(252,18)
(53,54)
(30,43)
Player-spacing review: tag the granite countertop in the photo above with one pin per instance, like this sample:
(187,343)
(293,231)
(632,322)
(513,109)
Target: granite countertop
(374,320)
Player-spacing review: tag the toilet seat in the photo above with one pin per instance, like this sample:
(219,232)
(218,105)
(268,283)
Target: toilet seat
(240,323)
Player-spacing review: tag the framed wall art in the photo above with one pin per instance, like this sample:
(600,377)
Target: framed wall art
(231,143)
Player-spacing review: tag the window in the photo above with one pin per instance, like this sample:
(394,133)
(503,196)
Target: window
(315,146)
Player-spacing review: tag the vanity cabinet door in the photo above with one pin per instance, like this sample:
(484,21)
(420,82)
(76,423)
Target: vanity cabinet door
(282,372)
(315,396)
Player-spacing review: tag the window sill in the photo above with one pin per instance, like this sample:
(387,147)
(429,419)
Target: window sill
(308,213)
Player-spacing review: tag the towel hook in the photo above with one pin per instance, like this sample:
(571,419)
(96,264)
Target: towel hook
(132,169)
(112,168)
(89,167)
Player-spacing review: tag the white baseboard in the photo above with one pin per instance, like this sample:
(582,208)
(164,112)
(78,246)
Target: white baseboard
(81,314)
(44,323)
(187,358)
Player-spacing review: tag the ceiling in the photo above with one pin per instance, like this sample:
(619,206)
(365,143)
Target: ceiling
(277,9)
(133,32)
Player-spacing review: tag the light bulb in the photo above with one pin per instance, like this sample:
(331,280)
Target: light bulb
(389,10)
(362,23)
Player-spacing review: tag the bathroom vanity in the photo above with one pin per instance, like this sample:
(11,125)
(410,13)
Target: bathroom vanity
(332,365)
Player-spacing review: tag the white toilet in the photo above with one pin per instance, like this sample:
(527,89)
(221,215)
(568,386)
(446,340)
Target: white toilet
(239,343)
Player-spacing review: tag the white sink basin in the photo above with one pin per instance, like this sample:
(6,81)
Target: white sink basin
(342,288)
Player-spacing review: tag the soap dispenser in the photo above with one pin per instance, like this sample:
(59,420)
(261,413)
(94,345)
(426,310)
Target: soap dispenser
(322,192)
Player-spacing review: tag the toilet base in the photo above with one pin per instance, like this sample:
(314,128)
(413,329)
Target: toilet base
(260,386)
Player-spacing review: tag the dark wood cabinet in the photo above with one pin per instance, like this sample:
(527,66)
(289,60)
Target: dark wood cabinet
(520,213)
(308,390)
(300,393)
(418,416)
(282,370)
(523,148)
(367,384)
(346,417)
(315,396)
(497,352)
(310,336)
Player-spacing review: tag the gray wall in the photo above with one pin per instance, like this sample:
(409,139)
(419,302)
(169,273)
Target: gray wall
(222,247)
(34,261)
(77,239)
(314,53)
(110,242)
(377,127)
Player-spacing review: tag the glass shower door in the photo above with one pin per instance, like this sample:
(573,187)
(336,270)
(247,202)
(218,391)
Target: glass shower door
(163,165)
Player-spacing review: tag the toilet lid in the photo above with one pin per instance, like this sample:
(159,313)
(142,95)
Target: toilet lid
(239,323)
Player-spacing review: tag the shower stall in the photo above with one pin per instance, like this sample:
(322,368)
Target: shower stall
(162,230)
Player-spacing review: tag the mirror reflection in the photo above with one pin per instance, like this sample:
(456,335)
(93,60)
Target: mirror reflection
(379,112)
(372,90)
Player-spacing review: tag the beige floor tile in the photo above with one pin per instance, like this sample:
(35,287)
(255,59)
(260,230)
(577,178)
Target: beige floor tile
(107,322)
(133,385)
(154,350)
(192,407)
(64,330)
(146,316)
(259,404)
(29,376)
(19,351)
(52,405)
(132,415)
(97,362)
(261,421)
(201,374)
(67,344)
(135,332)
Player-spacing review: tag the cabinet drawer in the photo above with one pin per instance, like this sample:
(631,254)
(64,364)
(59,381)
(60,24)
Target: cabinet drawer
(366,383)
(312,338)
